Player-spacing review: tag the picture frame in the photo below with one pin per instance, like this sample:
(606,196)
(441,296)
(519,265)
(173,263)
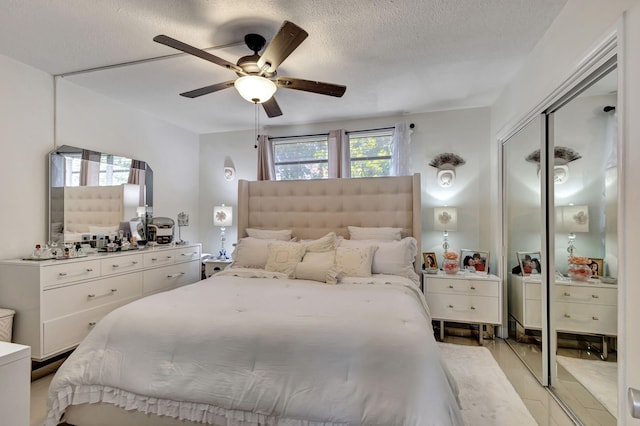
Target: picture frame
(529,262)
(597,266)
(430,260)
(474,261)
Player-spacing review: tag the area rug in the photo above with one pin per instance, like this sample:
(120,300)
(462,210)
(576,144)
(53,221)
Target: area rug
(486,395)
(600,378)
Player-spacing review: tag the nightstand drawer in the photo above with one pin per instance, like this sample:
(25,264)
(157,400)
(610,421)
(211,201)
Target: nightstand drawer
(82,296)
(591,319)
(464,308)
(462,286)
(592,296)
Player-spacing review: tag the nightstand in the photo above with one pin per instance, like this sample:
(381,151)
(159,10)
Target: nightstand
(15,386)
(213,266)
(465,298)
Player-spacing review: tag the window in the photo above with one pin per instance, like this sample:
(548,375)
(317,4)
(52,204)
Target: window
(114,170)
(371,153)
(301,158)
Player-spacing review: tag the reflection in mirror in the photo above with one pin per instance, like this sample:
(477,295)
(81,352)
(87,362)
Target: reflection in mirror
(523,233)
(92,192)
(584,308)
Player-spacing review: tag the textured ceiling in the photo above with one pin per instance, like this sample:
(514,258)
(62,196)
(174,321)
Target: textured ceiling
(394,56)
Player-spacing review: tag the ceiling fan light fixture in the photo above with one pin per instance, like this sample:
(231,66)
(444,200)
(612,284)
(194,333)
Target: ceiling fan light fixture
(255,89)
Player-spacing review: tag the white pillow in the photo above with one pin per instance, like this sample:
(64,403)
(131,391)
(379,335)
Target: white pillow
(270,234)
(382,233)
(326,243)
(102,230)
(392,257)
(250,253)
(283,256)
(318,266)
(355,261)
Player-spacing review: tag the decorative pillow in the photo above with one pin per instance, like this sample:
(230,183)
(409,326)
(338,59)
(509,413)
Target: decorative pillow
(318,266)
(382,233)
(102,230)
(326,243)
(355,261)
(392,257)
(283,256)
(250,253)
(269,234)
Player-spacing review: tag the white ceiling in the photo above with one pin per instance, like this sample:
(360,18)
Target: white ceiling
(395,56)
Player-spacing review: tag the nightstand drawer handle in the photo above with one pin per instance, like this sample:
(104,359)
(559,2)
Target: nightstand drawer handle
(595,318)
(595,296)
(93,296)
(567,316)
(92,324)
(472,308)
(472,288)
(567,294)
(175,275)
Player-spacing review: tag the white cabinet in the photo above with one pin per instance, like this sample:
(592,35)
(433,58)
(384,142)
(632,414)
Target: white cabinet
(15,384)
(466,298)
(57,302)
(582,307)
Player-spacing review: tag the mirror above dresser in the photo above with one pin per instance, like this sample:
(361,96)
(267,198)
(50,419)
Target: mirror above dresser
(91,192)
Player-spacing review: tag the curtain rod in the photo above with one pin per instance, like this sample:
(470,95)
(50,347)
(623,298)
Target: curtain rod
(326,133)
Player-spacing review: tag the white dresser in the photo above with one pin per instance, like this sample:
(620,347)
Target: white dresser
(465,298)
(57,302)
(582,307)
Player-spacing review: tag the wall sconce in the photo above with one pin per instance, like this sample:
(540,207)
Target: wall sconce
(446,164)
(229,169)
(222,217)
(562,156)
(445,219)
(572,219)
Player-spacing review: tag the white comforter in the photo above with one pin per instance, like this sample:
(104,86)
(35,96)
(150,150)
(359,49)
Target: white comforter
(267,352)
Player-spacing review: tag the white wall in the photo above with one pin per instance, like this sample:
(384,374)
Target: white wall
(464,132)
(579,27)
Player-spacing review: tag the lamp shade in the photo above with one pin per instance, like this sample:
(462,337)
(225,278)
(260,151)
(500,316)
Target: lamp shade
(572,218)
(223,215)
(445,219)
(255,88)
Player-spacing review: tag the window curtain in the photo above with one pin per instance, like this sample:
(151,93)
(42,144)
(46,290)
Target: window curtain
(339,154)
(400,145)
(266,167)
(136,177)
(90,168)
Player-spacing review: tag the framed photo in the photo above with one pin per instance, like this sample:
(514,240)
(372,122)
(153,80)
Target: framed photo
(597,267)
(529,262)
(474,260)
(430,260)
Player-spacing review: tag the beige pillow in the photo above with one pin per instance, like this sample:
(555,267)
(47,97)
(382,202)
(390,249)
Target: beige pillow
(283,256)
(355,261)
(378,233)
(250,253)
(318,266)
(326,243)
(270,234)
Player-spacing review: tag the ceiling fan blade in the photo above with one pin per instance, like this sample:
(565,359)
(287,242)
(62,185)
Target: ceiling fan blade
(311,86)
(286,40)
(176,44)
(272,108)
(207,89)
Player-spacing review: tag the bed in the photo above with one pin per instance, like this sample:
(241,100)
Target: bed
(284,336)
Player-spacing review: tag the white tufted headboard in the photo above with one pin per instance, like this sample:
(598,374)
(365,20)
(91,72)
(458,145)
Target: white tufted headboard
(312,208)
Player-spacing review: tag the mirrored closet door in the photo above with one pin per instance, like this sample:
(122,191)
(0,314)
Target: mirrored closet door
(583,302)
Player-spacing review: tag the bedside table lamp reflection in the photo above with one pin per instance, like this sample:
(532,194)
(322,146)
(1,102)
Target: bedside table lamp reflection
(222,217)
(445,219)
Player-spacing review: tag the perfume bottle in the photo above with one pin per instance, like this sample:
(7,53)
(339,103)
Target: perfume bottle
(37,252)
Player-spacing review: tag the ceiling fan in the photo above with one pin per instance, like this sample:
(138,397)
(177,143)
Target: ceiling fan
(257,80)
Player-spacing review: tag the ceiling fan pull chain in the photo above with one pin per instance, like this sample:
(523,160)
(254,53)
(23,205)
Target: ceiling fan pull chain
(256,123)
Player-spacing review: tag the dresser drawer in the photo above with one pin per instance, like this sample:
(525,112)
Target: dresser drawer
(65,300)
(462,286)
(159,258)
(187,254)
(168,277)
(594,295)
(66,332)
(121,264)
(67,272)
(590,319)
(464,308)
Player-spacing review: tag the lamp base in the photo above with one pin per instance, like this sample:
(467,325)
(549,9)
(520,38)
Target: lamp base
(222,255)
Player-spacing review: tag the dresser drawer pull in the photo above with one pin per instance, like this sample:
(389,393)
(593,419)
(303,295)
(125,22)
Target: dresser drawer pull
(130,263)
(595,296)
(567,294)
(64,274)
(472,308)
(92,324)
(175,275)
(472,288)
(567,316)
(595,318)
(190,254)
(93,296)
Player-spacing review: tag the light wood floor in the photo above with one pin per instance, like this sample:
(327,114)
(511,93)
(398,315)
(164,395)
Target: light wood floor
(538,400)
